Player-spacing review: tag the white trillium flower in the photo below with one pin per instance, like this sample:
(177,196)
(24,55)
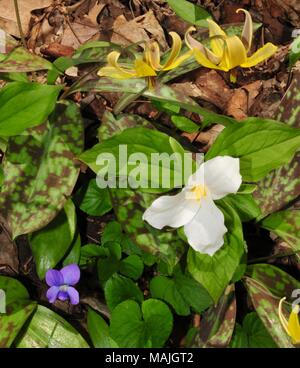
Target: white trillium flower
(194,207)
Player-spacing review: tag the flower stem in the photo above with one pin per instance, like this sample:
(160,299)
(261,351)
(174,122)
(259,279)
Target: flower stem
(261,259)
(19,23)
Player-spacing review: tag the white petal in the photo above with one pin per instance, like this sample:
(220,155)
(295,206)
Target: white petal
(222,176)
(206,230)
(174,211)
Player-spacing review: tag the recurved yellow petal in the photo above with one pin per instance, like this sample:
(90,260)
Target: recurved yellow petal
(204,61)
(294,326)
(152,55)
(142,69)
(112,72)
(217,36)
(282,318)
(114,68)
(175,51)
(234,55)
(260,55)
(192,43)
(247,33)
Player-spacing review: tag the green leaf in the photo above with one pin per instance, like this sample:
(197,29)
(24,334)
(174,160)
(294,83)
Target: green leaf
(132,328)
(266,306)
(285,224)
(182,292)
(193,292)
(210,271)
(21,60)
(184,124)
(111,125)
(25,105)
(244,205)
(261,145)
(278,282)
(112,233)
(164,288)
(48,330)
(189,12)
(294,54)
(18,309)
(266,285)
(106,268)
(161,93)
(217,323)
(282,186)
(252,334)
(50,244)
(163,245)
(158,320)
(119,288)
(93,52)
(132,266)
(142,140)
(74,254)
(99,331)
(40,170)
(95,201)
(89,252)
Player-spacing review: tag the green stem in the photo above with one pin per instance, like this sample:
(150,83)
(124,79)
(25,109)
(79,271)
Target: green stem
(19,23)
(261,259)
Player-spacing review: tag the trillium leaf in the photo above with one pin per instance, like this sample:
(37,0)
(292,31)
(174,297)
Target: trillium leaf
(210,271)
(245,206)
(25,105)
(37,160)
(261,145)
(48,330)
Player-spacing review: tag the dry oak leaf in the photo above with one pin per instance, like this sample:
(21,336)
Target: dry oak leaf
(8,20)
(242,99)
(137,30)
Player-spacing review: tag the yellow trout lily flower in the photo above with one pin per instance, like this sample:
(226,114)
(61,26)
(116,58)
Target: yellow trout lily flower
(292,326)
(148,65)
(228,52)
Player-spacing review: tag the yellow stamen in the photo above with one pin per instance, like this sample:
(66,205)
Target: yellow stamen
(200,192)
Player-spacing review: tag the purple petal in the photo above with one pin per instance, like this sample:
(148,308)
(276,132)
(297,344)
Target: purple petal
(54,278)
(63,295)
(71,274)
(73,295)
(52,293)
